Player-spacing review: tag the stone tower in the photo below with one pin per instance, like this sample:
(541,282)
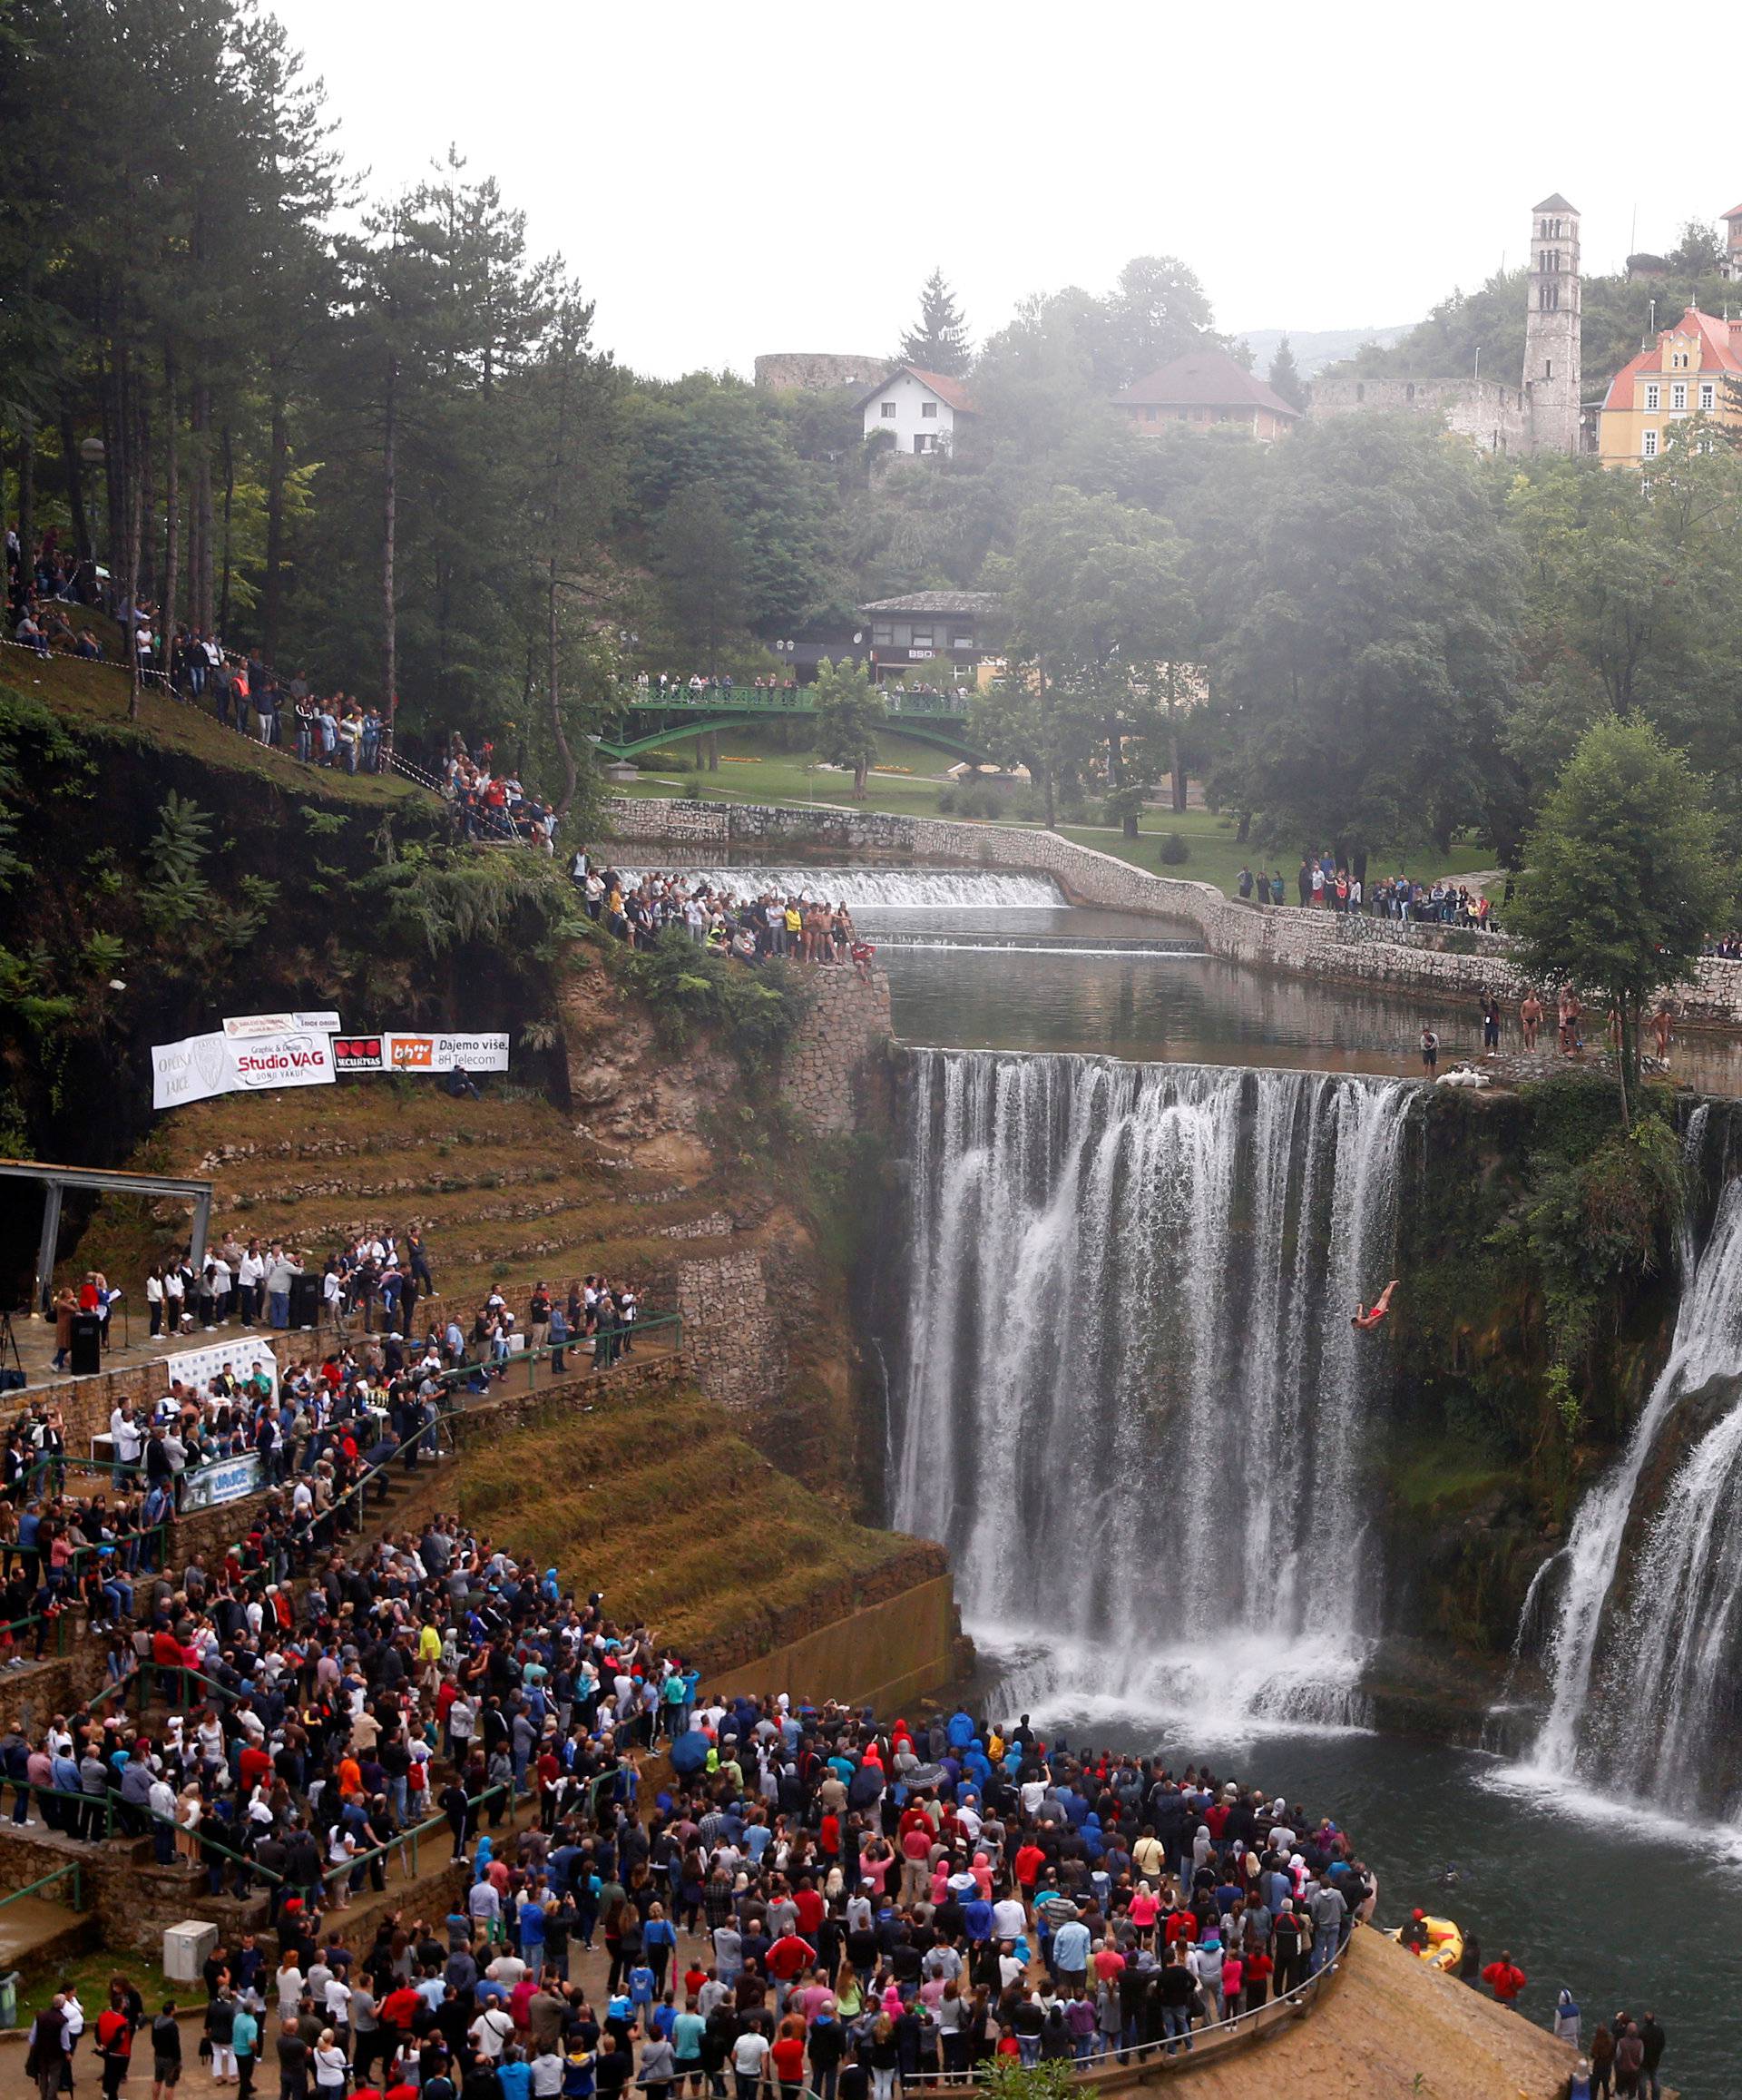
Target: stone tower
(1551,367)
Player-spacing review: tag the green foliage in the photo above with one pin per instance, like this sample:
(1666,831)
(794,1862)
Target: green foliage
(1005,2079)
(755,1009)
(1589,1220)
(1174,851)
(1624,880)
(1284,376)
(849,711)
(938,342)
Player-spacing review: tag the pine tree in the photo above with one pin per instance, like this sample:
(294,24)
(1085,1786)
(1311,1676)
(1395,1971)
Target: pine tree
(1285,376)
(940,341)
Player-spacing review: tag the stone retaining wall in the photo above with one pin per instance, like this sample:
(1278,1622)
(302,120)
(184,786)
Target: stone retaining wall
(731,1336)
(826,1066)
(1457,964)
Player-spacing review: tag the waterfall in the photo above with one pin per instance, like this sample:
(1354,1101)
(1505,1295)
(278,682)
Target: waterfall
(1634,1690)
(1127,1392)
(882,889)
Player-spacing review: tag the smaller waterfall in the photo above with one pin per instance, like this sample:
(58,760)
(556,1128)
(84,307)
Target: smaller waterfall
(1621,1718)
(882,889)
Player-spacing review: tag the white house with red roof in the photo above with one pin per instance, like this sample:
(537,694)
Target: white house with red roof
(917,411)
(1694,369)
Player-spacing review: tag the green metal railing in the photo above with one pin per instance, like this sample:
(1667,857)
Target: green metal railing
(785,698)
(635,1333)
(60,1874)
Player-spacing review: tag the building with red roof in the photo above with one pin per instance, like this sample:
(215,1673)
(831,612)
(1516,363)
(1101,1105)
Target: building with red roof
(1694,369)
(916,411)
(1207,387)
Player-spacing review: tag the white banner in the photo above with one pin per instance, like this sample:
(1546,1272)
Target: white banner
(226,1481)
(242,1026)
(203,1066)
(196,1367)
(445,1052)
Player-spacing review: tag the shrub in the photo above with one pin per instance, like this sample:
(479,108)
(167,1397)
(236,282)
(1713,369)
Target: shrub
(755,1008)
(1175,852)
(946,802)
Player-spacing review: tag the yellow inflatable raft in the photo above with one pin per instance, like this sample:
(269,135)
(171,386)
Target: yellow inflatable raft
(1443,1945)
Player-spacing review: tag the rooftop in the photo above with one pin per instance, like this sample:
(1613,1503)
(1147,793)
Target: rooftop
(1556,203)
(970,602)
(1717,340)
(951,392)
(1204,379)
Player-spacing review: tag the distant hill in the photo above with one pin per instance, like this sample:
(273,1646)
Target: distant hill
(1315,349)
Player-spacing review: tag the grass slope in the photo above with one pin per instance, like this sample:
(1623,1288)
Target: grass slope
(666,1508)
(93,697)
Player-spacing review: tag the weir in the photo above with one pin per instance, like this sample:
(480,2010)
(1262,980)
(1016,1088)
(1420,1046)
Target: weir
(871,889)
(1125,1389)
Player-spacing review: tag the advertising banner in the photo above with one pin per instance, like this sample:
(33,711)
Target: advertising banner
(444,1053)
(242,1026)
(227,1480)
(359,1053)
(200,1066)
(246,1354)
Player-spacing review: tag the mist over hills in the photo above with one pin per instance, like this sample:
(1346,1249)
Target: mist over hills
(1315,349)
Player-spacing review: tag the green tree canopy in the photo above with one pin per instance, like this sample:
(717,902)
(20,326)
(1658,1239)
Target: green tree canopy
(848,713)
(938,341)
(1624,883)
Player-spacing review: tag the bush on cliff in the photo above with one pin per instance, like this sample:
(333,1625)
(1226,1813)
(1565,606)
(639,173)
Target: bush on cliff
(755,1009)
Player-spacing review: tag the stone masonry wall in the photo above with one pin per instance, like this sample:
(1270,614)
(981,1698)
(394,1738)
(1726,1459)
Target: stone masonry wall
(825,1067)
(731,1334)
(1287,939)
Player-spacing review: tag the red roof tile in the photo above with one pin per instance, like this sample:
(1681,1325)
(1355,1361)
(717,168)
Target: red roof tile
(951,392)
(1205,378)
(1719,354)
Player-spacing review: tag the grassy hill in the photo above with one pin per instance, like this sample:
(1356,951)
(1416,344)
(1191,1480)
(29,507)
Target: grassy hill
(93,697)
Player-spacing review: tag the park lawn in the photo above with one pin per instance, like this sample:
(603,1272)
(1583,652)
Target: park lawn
(750,771)
(93,696)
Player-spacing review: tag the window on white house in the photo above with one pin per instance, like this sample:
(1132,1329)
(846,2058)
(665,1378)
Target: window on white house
(1678,394)
(1708,395)
(1651,400)
(929,408)
(1650,445)
(882,634)
(888,411)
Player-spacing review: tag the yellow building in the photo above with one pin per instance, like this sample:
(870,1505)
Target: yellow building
(1693,369)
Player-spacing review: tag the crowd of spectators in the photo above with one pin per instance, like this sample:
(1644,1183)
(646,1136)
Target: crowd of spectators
(638,909)
(815,1897)
(489,804)
(1323,883)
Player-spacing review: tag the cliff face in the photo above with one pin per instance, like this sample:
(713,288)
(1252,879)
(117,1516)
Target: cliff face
(774,1168)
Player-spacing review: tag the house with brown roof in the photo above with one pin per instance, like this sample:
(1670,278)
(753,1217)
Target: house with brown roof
(1203,387)
(1694,369)
(916,411)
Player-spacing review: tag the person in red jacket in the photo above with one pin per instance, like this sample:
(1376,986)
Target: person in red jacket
(787,1961)
(1504,1978)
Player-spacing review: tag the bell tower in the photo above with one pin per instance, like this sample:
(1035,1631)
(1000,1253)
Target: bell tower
(1551,364)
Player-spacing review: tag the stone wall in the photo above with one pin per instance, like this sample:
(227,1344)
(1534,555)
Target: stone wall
(827,1067)
(731,1336)
(1493,418)
(1287,939)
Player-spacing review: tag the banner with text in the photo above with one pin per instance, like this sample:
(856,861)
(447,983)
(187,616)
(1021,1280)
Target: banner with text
(196,1367)
(226,1481)
(242,1026)
(200,1066)
(399,1051)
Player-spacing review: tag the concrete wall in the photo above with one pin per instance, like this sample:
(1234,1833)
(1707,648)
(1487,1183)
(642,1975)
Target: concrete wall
(1302,943)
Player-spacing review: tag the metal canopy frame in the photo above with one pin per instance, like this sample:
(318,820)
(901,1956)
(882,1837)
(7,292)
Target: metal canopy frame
(56,1179)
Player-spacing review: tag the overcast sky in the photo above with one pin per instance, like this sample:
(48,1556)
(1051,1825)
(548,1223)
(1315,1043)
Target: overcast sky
(728,178)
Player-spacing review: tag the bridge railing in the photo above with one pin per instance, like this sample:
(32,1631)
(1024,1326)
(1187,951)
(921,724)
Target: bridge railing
(781,700)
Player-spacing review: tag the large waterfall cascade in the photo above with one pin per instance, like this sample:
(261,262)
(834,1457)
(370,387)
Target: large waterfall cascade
(1640,1656)
(1127,1393)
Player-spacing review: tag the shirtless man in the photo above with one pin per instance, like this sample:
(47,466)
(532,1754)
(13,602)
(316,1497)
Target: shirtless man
(1530,1015)
(1366,1319)
(1660,1026)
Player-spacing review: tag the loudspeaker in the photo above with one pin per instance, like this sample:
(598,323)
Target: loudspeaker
(305,1302)
(86,1353)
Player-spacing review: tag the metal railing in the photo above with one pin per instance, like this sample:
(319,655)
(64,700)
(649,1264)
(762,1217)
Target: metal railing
(1166,2052)
(60,1874)
(781,700)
